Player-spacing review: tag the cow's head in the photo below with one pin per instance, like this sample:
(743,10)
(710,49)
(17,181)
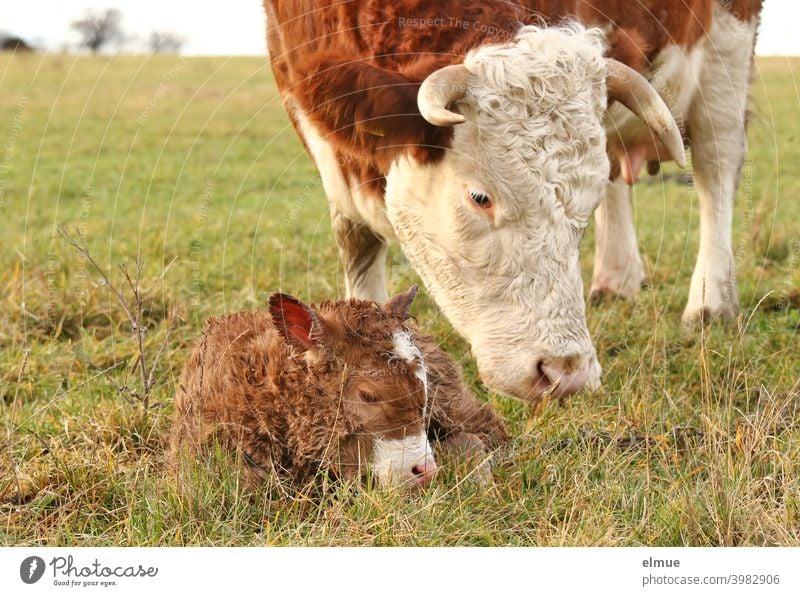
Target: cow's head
(494,227)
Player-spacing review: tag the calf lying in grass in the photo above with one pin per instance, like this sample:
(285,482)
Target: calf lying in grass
(340,389)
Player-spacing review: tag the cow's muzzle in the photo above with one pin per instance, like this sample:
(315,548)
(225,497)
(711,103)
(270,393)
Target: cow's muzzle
(566,375)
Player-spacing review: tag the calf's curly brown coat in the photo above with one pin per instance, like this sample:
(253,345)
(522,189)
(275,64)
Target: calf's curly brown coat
(300,390)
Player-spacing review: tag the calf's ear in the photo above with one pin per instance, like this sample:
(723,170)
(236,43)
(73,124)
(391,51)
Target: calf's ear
(297,322)
(400,305)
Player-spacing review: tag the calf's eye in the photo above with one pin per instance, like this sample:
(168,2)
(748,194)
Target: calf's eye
(480,198)
(368,397)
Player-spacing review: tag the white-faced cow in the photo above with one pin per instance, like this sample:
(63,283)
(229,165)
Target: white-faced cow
(483,135)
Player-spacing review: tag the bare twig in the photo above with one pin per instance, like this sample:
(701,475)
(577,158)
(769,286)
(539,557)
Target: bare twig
(134,311)
(136,323)
(151,379)
(80,246)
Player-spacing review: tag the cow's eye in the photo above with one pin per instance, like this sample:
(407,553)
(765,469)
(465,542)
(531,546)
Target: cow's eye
(480,198)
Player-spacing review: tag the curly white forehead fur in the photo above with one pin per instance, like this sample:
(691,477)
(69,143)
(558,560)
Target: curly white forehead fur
(530,103)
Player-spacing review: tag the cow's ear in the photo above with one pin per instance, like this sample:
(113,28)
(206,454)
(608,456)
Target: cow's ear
(297,322)
(400,305)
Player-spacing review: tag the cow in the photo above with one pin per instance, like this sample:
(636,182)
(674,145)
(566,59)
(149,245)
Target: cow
(484,136)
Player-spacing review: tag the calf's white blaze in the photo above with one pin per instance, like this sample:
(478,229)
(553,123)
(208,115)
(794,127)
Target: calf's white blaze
(405,348)
(393,460)
(534,141)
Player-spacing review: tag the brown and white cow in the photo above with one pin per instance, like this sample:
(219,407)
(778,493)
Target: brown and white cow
(482,136)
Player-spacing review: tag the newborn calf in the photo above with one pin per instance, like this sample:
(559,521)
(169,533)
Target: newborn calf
(341,388)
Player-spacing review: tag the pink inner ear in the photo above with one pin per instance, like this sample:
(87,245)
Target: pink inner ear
(294,320)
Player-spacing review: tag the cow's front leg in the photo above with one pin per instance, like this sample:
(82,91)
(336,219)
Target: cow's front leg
(717,135)
(713,293)
(363,254)
(618,268)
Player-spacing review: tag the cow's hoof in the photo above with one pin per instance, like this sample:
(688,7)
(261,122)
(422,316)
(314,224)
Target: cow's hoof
(606,289)
(695,317)
(599,295)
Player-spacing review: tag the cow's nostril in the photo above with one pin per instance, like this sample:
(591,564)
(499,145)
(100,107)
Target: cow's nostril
(565,372)
(540,368)
(418,470)
(542,381)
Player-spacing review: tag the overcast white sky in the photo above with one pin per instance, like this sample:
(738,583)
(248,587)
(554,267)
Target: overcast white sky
(237,26)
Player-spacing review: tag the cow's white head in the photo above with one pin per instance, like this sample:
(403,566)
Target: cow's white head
(494,227)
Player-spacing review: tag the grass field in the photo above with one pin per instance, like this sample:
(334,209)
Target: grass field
(191,165)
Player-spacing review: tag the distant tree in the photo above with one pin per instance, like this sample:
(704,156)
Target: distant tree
(98,28)
(165,43)
(14,44)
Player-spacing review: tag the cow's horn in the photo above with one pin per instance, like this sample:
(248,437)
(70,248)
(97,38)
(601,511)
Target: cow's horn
(440,89)
(634,92)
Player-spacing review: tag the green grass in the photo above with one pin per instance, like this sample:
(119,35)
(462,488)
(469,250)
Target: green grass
(191,164)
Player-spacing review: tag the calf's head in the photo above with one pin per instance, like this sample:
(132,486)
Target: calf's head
(364,358)
(494,226)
